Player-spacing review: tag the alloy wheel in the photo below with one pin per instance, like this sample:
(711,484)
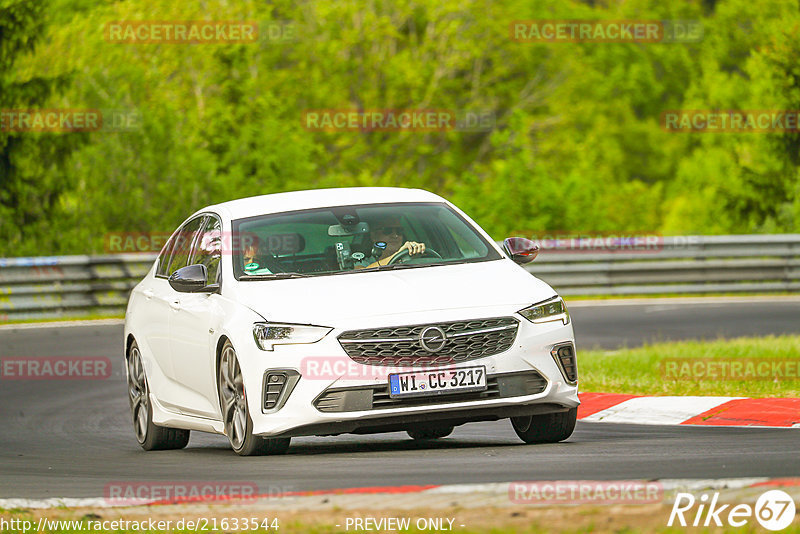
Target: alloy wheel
(234,403)
(138,394)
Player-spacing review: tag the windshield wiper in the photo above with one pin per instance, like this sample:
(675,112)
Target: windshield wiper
(275,276)
(398,266)
(412,265)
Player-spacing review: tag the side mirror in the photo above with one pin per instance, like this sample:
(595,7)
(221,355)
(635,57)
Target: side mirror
(190,279)
(520,250)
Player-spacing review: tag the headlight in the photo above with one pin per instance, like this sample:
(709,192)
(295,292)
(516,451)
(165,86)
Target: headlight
(549,310)
(267,335)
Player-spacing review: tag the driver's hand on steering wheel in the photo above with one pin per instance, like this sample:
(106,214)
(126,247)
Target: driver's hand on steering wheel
(413,248)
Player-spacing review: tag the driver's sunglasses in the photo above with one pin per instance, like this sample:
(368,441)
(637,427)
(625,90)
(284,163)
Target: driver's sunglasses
(389,230)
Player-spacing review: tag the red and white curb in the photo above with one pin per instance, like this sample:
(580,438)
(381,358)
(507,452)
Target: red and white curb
(683,410)
(447,496)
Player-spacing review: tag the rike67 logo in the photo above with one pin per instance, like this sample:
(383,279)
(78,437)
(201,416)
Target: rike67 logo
(774,510)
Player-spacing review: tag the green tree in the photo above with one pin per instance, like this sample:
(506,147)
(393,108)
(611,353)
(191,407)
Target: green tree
(576,143)
(29,189)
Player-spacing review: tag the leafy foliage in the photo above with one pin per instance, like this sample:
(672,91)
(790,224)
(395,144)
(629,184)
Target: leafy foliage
(576,143)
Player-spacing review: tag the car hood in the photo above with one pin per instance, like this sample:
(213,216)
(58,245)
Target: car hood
(337,300)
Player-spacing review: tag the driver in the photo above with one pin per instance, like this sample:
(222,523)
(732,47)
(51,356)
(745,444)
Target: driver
(252,260)
(389,230)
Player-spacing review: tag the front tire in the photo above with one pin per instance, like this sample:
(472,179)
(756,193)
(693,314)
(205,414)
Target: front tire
(545,428)
(149,436)
(235,414)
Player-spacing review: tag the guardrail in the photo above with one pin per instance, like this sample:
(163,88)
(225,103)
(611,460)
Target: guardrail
(59,286)
(680,264)
(66,286)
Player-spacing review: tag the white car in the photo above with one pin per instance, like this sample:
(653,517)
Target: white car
(353,310)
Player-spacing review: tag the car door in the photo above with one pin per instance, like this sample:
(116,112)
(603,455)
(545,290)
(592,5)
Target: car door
(156,294)
(162,300)
(154,313)
(193,321)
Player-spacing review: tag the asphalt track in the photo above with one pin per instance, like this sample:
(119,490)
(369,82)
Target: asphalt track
(72,438)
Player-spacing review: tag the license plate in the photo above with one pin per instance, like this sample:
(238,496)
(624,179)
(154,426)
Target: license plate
(438,382)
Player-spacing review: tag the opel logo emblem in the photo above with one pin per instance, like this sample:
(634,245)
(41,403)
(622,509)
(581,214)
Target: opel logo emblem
(432,339)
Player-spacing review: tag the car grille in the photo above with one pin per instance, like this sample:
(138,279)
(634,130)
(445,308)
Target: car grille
(401,346)
(376,397)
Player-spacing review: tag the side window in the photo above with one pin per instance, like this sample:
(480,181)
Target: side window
(183,244)
(208,249)
(163,258)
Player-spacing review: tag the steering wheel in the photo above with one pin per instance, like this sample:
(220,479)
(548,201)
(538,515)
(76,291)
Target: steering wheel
(404,256)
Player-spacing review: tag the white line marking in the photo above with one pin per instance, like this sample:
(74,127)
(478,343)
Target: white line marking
(492,488)
(678,301)
(658,410)
(692,484)
(489,487)
(55,502)
(63,324)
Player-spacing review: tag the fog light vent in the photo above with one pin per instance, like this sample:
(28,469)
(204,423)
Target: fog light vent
(274,387)
(278,385)
(567,362)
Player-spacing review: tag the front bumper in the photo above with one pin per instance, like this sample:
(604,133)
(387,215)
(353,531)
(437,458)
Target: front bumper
(400,422)
(528,381)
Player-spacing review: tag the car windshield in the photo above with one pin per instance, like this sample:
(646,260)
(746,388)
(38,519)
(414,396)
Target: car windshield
(348,239)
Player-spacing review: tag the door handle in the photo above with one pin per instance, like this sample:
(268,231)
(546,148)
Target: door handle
(175,304)
(148,293)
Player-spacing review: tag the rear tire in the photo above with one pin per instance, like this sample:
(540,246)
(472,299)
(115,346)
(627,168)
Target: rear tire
(149,436)
(427,432)
(235,413)
(545,428)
